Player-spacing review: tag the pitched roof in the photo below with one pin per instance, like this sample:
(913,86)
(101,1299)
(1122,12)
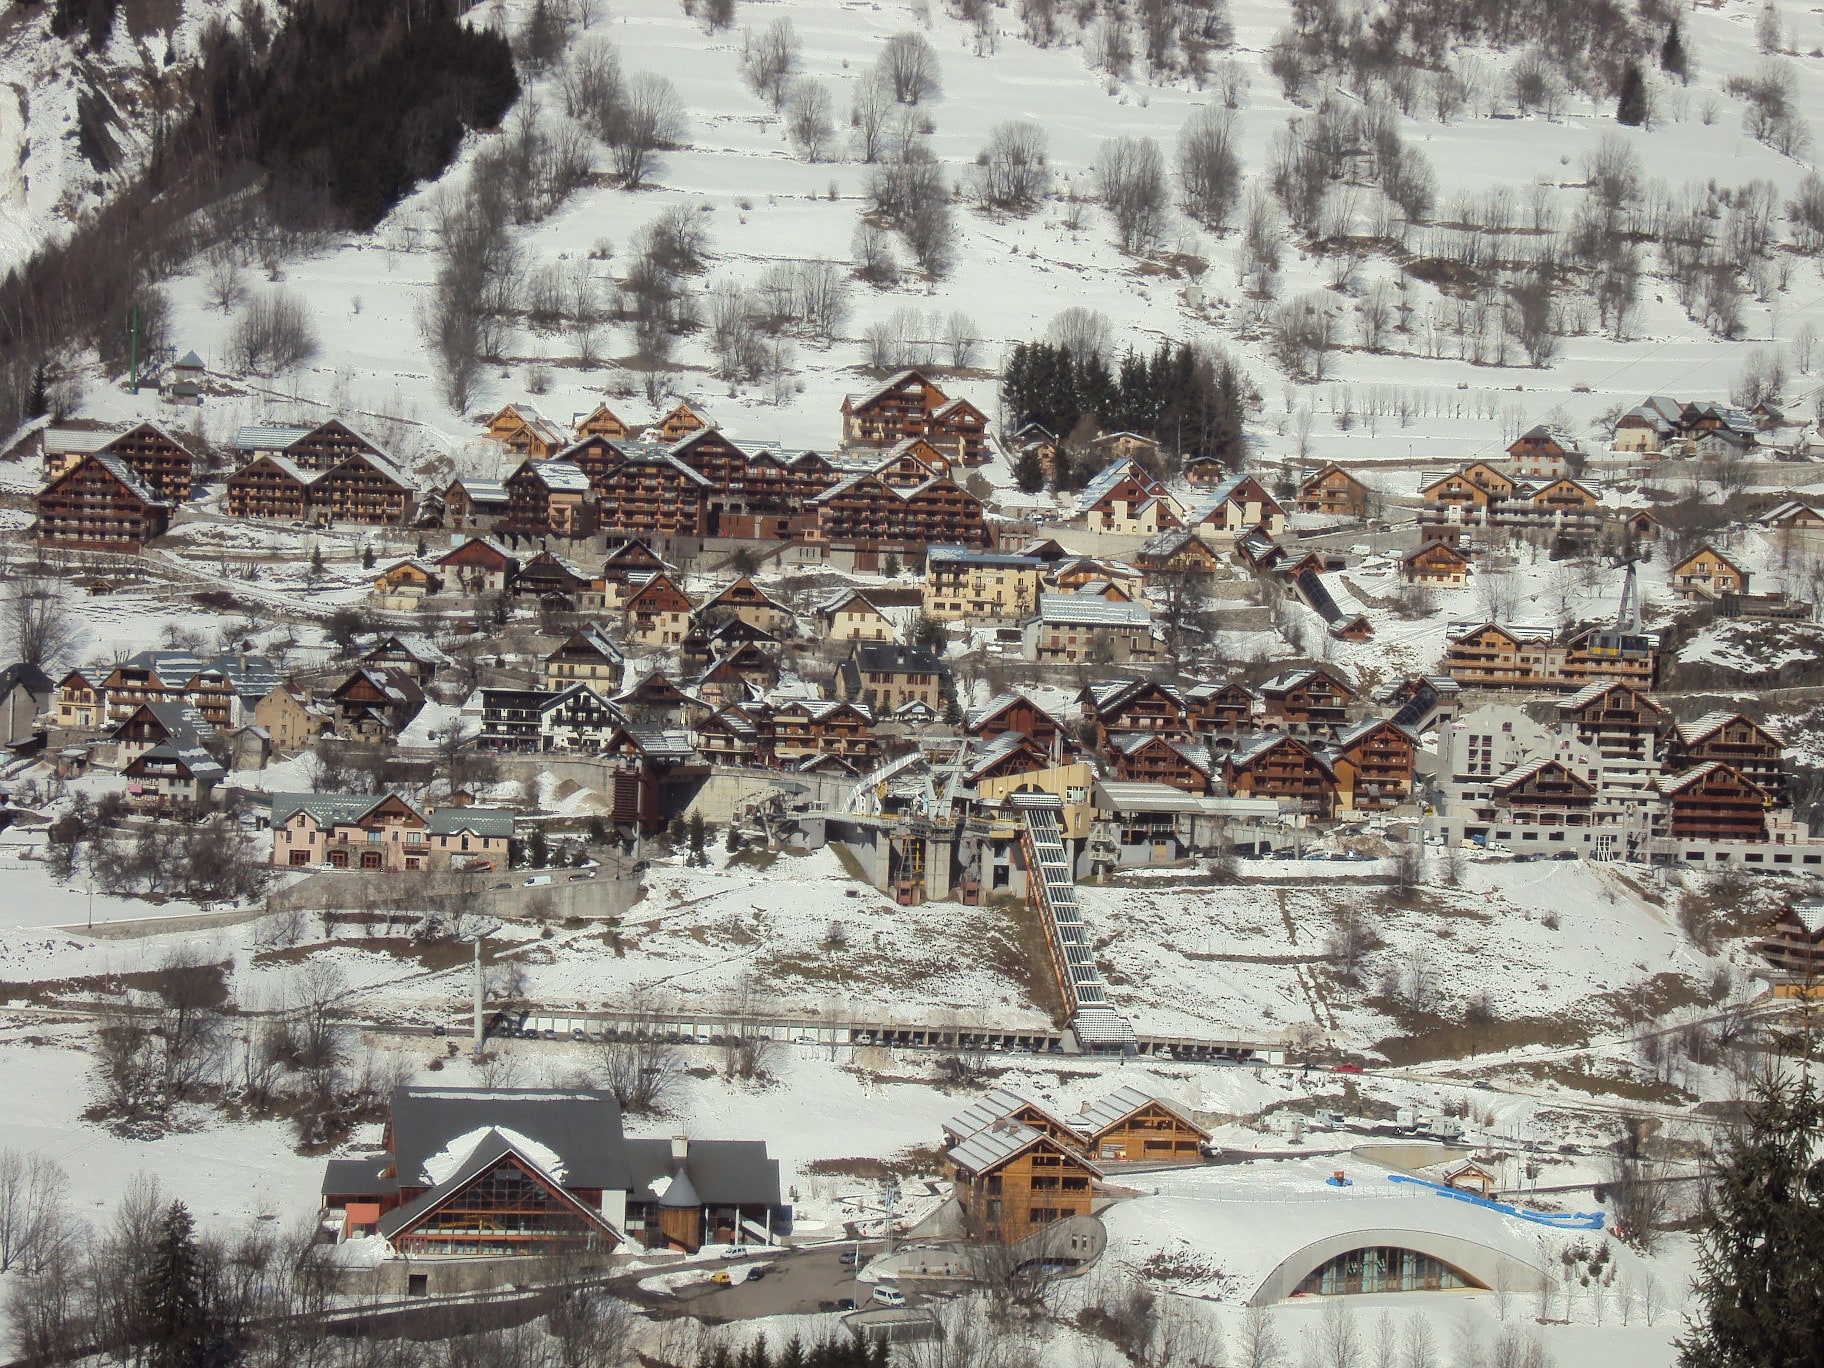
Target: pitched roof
(1091,610)
(477,821)
(712,1172)
(582,1126)
(1123,1103)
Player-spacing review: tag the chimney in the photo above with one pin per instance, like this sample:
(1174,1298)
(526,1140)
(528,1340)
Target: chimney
(680,1147)
(1083,1108)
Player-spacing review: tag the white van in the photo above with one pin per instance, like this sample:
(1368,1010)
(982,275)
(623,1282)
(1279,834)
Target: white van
(888,1296)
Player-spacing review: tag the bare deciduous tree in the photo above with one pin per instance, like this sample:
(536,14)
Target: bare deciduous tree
(1209,171)
(908,67)
(1130,180)
(869,109)
(1013,171)
(41,628)
(272,334)
(769,59)
(809,119)
(649,119)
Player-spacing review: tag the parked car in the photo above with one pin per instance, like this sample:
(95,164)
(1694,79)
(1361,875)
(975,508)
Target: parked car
(850,1258)
(846,1304)
(536,880)
(720,1277)
(1347,1068)
(440,1029)
(734,1251)
(755,1274)
(888,1296)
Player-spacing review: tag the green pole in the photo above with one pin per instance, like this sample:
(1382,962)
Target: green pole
(133,345)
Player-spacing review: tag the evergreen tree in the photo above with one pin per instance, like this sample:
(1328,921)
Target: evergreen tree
(1029,471)
(1631,108)
(698,833)
(891,567)
(177,1323)
(1760,1282)
(1672,58)
(38,402)
(538,849)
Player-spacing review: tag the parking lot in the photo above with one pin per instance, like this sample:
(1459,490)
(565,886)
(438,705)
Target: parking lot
(799,1282)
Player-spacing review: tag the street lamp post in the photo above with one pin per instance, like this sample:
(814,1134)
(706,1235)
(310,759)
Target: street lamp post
(476,937)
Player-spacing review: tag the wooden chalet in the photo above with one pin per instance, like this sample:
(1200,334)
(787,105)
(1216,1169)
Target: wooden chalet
(376,703)
(1471,1177)
(1473,486)
(585,656)
(172,775)
(271,486)
(1746,746)
(480,504)
(328,445)
(1010,1180)
(1541,452)
(363,488)
(1373,764)
(602,421)
(1492,656)
(1204,472)
(654,701)
(1794,943)
(1180,551)
(1793,515)
(1545,792)
(657,613)
(1333,492)
(1125,497)
(159,459)
(548,578)
(748,603)
(871,517)
(1015,712)
(736,734)
(1285,769)
(405,584)
(1564,496)
(548,499)
(1004,1105)
(99,504)
(173,722)
(1435,563)
(1708,573)
(680,423)
(1714,802)
(1129,705)
(1310,702)
(80,701)
(886,676)
(910,405)
(650,763)
(1138,757)
(803,729)
(1131,1126)
(1219,706)
(525,431)
(478,566)
(646,491)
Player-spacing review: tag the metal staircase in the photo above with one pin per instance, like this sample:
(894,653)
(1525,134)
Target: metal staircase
(1053,889)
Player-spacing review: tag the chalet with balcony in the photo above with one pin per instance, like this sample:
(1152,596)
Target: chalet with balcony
(736,734)
(1137,757)
(654,701)
(162,462)
(657,613)
(910,405)
(1794,943)
(406,584)
(1237,506)
(479,504)
(1648,427)
(747,602)
(1543,453)
(680,423)
(1308,702)
(526,431)
(363,488)
(173,723)
(586,656)
(1010,1180)
(1333,493)
(272,487)
(548,499)
(1136,705)
(1373,764)
(510,720)
(1219,706)
(602,421)
(1124,497)
(629,566)
(1752,750)
(1473,487)
(981,585)
(1714,802)
(1435,563)
(550,579)
(577,718)
(1708,573)
(1131,1126)
(1089,628)
(1282,768)
(808,729)
(1015,712)
(1544,792)
(172,774)
(376,703)
(1180,551)
(79,701)
(147,677)
(478,566)
(99,504)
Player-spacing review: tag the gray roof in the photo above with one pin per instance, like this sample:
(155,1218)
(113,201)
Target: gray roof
(990,1107)
(1120,1104)
(563,476)
(129,477)
(717,1172)
(61,441)
(477,821)
(995,1144)
(1133,796)
(964,556)
(269,437)
(27,676)
(193,758)
(325,809)
(582,1126)
(1087,610)
(359,1176)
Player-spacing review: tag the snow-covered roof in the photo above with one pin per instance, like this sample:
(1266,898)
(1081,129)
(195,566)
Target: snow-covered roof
(269,437)
(1090,610)
(1121,1104)
(994,1144)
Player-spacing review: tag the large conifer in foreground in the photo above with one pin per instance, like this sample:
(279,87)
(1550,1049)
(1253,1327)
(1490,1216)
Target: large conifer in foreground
(1760,1281)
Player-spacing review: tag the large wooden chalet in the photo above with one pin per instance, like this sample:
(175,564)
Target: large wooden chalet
(100,504)
(910,405)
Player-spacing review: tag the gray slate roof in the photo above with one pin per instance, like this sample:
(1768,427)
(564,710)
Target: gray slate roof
(581,1125)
